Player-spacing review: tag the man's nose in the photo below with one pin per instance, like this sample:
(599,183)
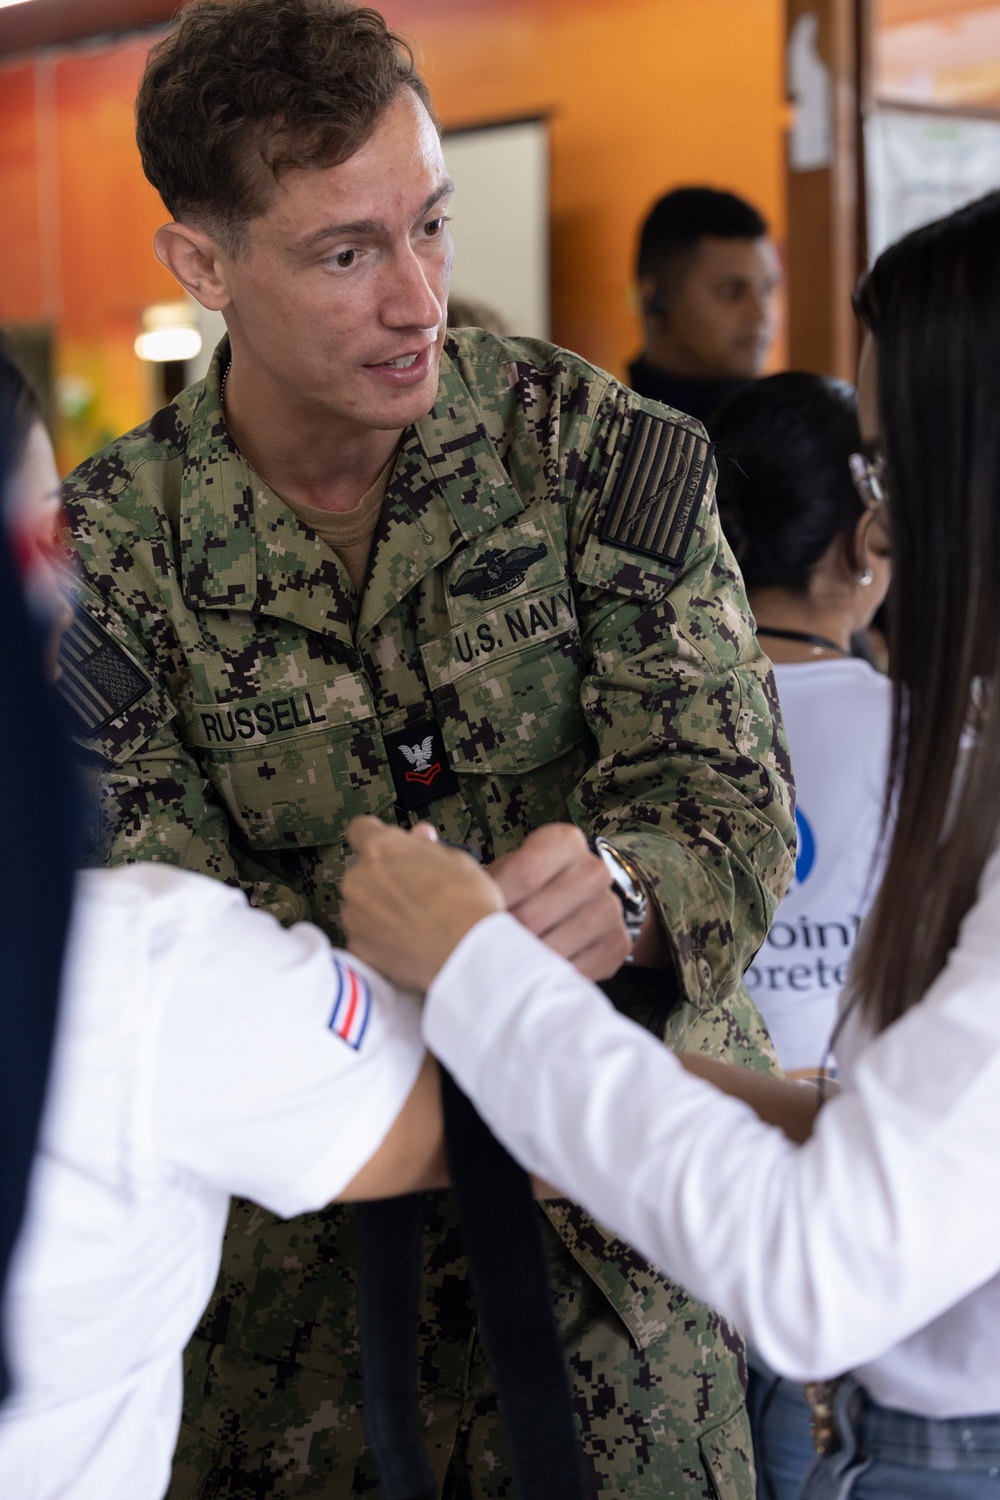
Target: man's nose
(762,301)
(413,298)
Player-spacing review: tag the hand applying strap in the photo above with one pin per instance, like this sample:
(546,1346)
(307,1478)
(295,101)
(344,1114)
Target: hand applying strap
(496,1210)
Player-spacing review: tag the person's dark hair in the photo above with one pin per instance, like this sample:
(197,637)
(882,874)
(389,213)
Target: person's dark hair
(244,90)
(785,490)
(678,221)
(38,814)
(469,312)
(932,300)
(19,411)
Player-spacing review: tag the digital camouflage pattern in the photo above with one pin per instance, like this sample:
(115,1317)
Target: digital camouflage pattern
(553,627)
(662,1416)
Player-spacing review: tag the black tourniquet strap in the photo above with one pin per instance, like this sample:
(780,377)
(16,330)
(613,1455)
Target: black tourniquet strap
(503,1242)
(649,997)
(390,1236)
(499,1223)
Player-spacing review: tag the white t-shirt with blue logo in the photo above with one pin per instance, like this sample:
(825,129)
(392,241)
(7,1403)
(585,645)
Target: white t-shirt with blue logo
(838,721)
(203,1051)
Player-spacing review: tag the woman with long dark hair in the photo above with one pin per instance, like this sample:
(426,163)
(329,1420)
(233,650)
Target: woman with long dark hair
(814,552)
(815,559)
(859,1243)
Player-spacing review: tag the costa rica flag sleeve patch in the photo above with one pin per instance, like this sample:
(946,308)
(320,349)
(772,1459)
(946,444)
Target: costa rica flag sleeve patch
(352,1005)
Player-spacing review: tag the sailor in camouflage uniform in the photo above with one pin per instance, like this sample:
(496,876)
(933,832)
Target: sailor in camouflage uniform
(550,628)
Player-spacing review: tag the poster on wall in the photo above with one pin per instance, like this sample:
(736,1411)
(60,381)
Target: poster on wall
(923,164)
(500,220)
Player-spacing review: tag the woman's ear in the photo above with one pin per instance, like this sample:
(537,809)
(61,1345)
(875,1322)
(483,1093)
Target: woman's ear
(857,551)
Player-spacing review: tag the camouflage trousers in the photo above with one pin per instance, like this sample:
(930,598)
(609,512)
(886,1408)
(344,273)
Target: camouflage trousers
(662,1420)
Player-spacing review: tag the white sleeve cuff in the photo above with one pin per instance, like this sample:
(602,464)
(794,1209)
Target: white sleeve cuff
(464,1016)
(460,1022)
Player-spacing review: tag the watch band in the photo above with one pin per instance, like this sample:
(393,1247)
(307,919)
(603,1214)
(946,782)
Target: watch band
(626,882)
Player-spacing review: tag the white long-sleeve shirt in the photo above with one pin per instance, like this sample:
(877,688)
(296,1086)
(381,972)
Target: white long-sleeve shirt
(202,1051)
(875,1247)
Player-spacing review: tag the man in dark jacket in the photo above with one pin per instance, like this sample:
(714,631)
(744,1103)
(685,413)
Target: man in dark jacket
(708,274)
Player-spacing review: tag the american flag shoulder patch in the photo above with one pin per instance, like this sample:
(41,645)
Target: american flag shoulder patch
(99,679)
(351,1006)
(664,474)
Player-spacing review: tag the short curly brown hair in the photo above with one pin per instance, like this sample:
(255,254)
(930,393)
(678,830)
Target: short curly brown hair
(243,90)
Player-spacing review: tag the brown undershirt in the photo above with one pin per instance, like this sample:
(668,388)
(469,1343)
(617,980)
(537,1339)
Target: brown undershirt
(348,533)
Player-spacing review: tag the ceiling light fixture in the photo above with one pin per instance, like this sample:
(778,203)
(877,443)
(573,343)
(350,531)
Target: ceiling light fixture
(168,334)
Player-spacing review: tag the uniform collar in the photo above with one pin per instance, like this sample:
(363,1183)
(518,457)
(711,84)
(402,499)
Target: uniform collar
(448,487)
(242,548)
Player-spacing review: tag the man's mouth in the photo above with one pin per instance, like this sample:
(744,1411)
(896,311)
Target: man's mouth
(404,370)
(401,361)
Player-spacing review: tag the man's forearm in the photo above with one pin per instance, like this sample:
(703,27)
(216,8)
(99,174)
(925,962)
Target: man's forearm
(652,947)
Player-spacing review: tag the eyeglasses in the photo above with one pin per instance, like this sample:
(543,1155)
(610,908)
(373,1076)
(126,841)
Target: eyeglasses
(869,479)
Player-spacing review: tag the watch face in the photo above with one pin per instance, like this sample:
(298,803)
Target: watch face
(631,892)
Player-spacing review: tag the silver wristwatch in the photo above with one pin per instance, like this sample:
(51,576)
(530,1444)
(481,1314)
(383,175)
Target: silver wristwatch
(626,883)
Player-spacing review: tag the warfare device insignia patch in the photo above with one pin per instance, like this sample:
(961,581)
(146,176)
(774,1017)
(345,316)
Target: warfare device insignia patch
(99,680)
(662,479)
(497,572)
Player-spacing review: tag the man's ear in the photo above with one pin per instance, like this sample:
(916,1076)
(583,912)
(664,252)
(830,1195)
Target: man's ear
(195,259)
(654,303)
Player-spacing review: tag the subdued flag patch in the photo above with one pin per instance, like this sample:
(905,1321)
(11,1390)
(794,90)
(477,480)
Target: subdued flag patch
(664,474)
(352,1005)
(99,679)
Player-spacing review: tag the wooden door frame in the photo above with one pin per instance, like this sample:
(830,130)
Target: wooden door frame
(826,248)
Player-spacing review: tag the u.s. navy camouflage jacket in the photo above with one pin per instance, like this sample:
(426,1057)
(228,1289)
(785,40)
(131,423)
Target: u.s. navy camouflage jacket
(549,598)
(548,584)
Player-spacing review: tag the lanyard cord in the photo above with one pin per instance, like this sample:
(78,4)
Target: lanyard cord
(805,637)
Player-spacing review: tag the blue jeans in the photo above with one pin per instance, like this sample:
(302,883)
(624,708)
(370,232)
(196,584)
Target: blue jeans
(893,1455)
(779,1422)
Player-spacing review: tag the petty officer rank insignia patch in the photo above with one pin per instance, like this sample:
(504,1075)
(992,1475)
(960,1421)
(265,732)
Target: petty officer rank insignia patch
(419,764)
(664,474)
(352,1005)
(99,680)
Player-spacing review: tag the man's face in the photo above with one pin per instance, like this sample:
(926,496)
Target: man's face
(721,314)
(340,302)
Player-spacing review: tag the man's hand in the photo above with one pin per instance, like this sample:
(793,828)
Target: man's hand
(408,901)
(562,893)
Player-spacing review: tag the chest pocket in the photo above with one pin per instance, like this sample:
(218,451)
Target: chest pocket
(506,682)
(294,766)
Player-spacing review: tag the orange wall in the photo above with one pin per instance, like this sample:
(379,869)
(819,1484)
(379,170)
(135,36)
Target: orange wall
(21,295)
(76,229)
(642,94)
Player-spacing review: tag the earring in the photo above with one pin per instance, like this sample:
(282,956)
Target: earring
(865,578)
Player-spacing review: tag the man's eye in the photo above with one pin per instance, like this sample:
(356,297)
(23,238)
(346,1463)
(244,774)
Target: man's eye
(435,226)
(346,258)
